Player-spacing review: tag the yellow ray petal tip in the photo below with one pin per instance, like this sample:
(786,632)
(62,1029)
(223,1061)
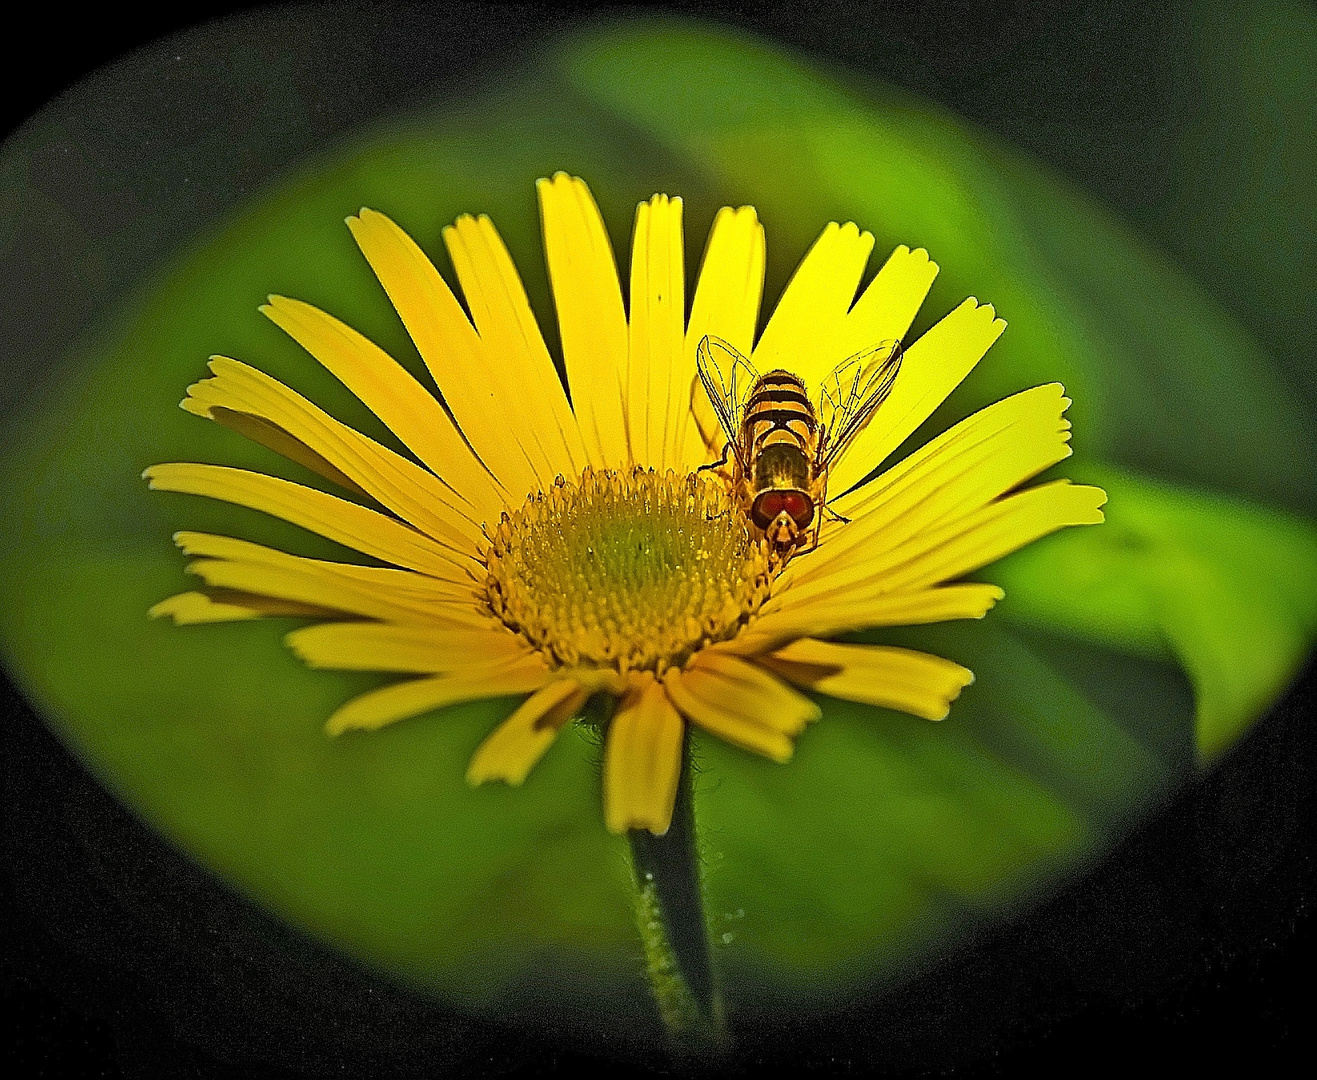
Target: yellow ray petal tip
(191,608)
(475,776)
(338,723)
(559,177)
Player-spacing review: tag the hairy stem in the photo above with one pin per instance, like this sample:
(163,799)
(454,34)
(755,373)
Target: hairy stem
(670,916)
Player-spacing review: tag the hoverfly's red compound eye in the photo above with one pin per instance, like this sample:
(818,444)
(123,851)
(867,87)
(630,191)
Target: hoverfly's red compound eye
(769,504)
(766,507)
(799,507)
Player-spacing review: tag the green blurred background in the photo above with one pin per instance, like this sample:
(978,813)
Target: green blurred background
(1124,656)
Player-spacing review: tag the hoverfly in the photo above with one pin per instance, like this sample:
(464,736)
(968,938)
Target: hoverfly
(782,444)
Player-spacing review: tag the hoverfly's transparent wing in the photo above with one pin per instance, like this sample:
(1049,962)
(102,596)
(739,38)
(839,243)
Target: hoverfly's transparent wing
(851,395)
(727,377)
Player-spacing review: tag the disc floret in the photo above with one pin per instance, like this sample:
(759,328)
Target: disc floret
(630,570)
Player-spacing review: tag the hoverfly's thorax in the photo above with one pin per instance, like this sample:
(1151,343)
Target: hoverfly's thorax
(781,486)
(781,465)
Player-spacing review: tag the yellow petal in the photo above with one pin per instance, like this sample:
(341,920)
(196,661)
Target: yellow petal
(375,592)
(931,368)
(411,492)
(341,521)
(733,682)
(831,615)
(655,396)
(504,392)
(419,648)
(591,318)
(231,605)
(514,747)
(268,434)
(196,607)
(982,457)
(386,388)
(321,587)
(642,761)
(1007,525)
(726,305)
(988,452)
(889,305)
(953,546)
(380,580)
(377,708)
(804,334)
(912,682)
(714,706)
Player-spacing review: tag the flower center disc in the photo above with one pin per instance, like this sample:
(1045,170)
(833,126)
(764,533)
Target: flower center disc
(631,570)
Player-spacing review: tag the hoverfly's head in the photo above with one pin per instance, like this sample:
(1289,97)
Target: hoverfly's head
(783,515)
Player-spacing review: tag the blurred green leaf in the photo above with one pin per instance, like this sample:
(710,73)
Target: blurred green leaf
(887,836)
(1228,589)
(884,832)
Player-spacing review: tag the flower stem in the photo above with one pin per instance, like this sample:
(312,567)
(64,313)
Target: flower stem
(670,916)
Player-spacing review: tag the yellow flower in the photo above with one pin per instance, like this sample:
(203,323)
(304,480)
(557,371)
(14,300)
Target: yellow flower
(555,548)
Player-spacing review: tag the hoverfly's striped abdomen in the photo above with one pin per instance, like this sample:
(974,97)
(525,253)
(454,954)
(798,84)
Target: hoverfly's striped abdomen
(778,411)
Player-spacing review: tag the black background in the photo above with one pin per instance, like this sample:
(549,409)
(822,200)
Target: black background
(1189,947)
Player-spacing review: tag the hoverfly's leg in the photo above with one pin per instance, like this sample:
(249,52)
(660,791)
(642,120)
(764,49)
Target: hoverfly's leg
(720,463)
(813,534)
(809,545)
(836,516)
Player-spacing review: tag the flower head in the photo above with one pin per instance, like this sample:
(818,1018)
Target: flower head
(556,547)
